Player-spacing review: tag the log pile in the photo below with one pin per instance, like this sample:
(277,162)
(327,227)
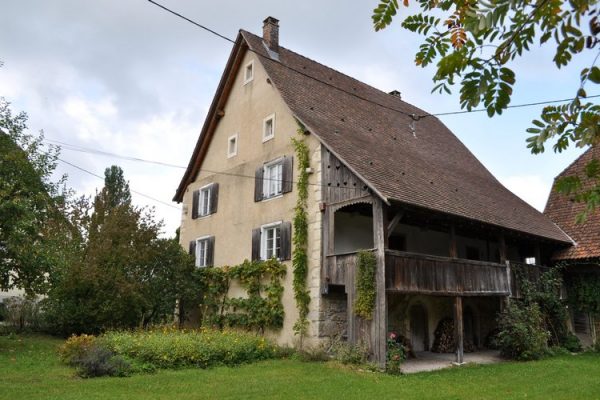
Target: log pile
(444,341)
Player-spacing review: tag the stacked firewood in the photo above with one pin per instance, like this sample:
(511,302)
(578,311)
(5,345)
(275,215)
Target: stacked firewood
(444,340)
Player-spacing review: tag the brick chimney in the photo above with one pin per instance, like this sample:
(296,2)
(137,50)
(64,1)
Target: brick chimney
(271,33)
(396,93)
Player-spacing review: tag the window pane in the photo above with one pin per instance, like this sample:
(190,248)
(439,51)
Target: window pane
(201,254)
(204,202)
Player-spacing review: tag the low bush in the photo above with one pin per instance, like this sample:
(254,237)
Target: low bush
(312,354)
(100,361)
(92,358)
(571,343)
(172,348)
(522,334)
(347,353)
(75,348)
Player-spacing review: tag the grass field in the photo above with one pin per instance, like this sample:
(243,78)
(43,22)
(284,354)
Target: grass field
(30,369)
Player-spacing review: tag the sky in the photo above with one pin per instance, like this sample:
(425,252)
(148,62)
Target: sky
(126,77)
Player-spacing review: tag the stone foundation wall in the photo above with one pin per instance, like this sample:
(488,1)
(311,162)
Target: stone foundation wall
(333,318)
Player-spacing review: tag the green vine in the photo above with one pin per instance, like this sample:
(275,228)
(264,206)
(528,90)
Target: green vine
(584,293)
(262,308)
(365,284)
(300,239)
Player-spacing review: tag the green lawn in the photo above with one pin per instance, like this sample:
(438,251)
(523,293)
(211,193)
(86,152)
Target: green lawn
(29,369)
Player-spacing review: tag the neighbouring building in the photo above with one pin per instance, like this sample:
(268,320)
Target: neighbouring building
(444,231)
(582,260)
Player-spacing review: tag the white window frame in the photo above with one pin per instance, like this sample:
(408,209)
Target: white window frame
(205,194)
(235,151)
(248,79)
(272,187)
(264,229)
(272,134)
(202,245)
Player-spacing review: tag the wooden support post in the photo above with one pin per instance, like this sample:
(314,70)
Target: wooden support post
(379,322)
(459,329)
(453,250)
(325,247)
(350,295)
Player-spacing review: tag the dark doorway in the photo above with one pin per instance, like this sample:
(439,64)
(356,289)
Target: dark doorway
(419,335)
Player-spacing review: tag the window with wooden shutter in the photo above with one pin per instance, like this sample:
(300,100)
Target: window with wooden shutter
(256,244)
(192,248)
(258,184)
(272,241)
(195,201)
(286,241)
(288,176)
(204,249)
(210,252)
(214,198)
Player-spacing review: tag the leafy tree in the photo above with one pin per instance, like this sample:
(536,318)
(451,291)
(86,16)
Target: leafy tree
(474,43)
(31,221)
(127,276)
(116,189)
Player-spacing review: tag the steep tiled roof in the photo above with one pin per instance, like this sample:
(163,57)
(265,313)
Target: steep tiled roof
(430,168)
(563,210)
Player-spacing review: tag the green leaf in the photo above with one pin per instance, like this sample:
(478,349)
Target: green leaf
(594,75)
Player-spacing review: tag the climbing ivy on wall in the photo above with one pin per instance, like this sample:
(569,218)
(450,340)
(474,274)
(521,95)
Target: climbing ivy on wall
(584,293)
(365,284)
(300,237)
(262,308)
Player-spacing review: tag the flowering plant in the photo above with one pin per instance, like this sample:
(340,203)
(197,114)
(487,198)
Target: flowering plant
(396,354)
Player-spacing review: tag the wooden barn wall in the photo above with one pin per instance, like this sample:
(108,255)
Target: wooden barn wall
(341,184)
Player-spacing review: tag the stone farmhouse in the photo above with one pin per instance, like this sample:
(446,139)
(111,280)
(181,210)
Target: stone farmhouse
(445,233)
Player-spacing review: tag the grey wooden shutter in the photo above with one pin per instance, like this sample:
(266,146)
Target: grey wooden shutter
(195,200)
(256,244)
(192,248)
(258,184)
(210,252)
(214,198)
(286,241)
(287,174)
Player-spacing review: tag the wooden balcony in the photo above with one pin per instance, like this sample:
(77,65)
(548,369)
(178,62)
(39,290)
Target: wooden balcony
(426,274)
(338,267)
(418,273)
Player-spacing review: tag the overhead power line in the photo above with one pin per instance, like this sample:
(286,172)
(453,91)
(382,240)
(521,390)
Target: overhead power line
(207,171)
(539,103)
(413,116)
(133,191)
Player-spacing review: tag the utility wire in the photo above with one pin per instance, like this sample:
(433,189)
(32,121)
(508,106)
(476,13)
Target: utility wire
(72,147)
(513,106)
(207,171)
(101,177)
(413,116)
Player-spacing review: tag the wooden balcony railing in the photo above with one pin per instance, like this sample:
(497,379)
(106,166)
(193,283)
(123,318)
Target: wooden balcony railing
(417,273)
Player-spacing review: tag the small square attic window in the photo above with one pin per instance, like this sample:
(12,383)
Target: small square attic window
(232,146)
(249,72)
(269,128)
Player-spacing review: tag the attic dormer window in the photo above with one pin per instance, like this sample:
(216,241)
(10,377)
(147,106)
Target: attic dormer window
(269,128)
(249,72)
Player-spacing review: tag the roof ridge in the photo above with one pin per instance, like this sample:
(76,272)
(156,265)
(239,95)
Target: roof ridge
(339,72)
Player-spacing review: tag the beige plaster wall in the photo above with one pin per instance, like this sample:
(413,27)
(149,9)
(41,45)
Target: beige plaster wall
(237,213)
